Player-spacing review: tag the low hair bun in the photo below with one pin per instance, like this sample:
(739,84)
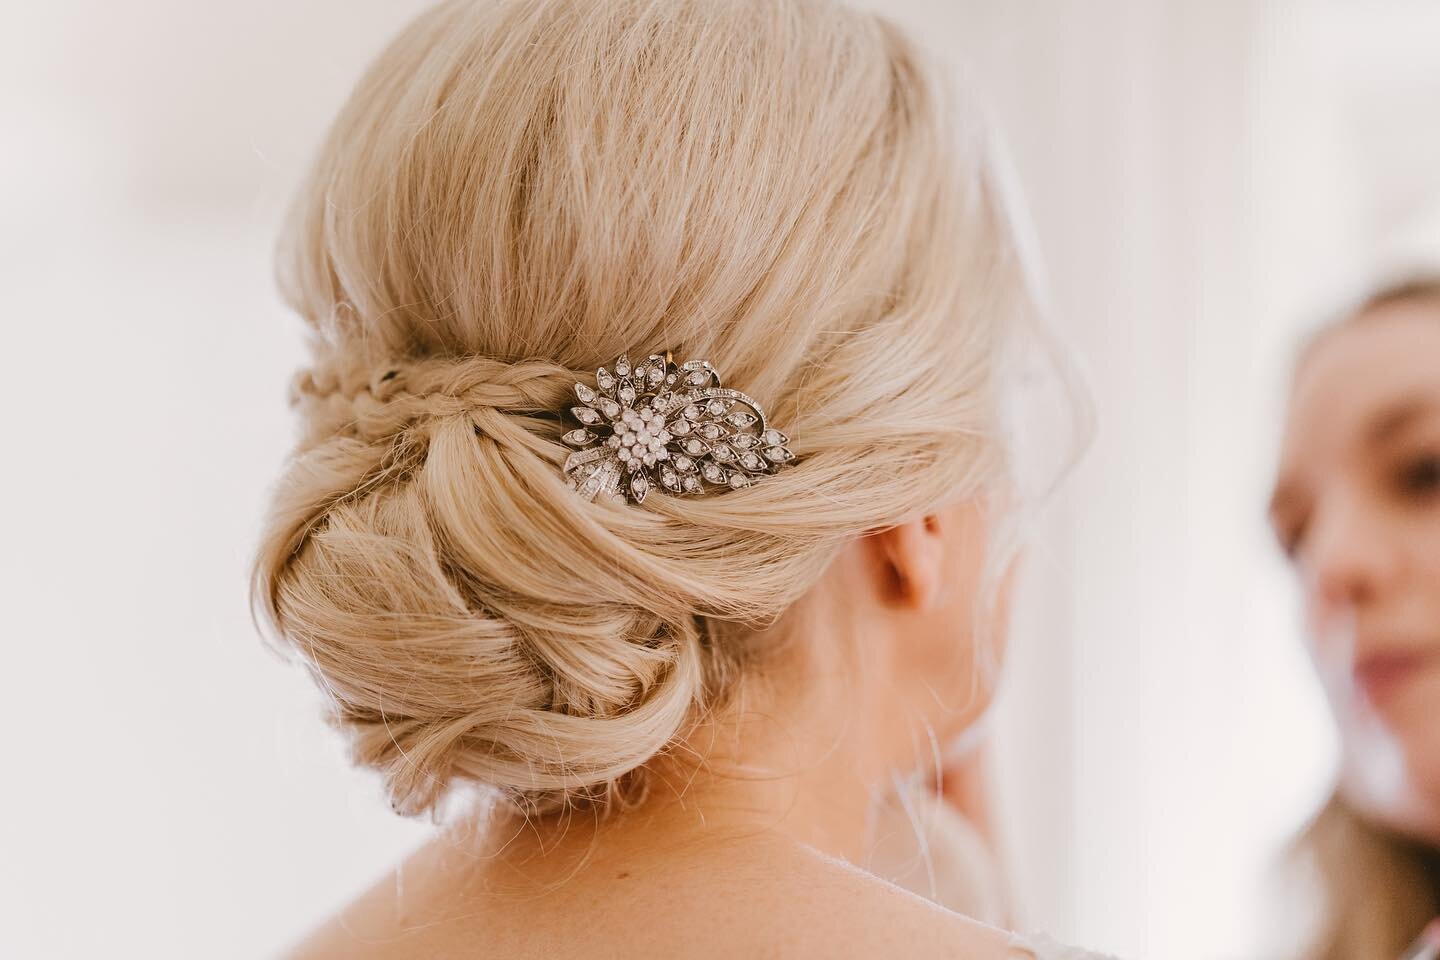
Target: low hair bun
(550,719)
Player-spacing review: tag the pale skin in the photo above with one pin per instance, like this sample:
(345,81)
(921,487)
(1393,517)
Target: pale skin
(1357,506)
(748,853)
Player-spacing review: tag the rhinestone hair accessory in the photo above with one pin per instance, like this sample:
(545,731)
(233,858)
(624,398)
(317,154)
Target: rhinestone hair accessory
(656,423)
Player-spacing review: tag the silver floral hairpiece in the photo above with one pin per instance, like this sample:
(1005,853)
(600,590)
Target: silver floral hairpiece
(675,426)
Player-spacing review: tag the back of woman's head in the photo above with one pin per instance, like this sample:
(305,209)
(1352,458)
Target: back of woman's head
(517,192)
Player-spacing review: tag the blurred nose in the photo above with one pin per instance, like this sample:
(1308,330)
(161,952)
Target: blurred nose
(1350,561)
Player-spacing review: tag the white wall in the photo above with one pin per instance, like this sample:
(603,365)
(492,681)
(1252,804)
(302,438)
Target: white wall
(168,789)
(1193,167)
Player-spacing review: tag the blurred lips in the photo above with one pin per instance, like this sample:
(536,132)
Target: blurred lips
(1383,673)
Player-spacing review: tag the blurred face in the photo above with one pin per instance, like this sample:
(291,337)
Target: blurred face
(1357,507)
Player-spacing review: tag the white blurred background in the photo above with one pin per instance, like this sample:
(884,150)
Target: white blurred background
(1203,175)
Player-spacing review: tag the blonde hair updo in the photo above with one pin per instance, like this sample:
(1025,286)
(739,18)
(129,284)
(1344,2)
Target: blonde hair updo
(517,192)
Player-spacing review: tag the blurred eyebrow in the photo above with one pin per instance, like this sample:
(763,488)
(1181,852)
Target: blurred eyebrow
(1396,418)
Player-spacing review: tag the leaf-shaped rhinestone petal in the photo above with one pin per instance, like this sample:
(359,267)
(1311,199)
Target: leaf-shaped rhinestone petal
(639,486)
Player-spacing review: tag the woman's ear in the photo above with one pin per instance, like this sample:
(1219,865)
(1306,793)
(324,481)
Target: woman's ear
(911,562)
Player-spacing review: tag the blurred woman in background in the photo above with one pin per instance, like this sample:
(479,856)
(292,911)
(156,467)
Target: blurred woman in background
(1357,509)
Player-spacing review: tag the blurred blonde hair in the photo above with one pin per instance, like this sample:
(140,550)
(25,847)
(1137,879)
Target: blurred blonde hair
(1378,889)
(516,192)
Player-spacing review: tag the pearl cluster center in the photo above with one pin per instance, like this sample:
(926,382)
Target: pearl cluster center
(641,437)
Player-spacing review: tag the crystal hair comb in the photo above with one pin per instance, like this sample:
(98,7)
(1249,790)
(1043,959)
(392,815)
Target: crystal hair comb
(656,423)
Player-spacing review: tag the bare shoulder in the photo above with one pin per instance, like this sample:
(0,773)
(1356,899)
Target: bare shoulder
(814,905)
(766,899)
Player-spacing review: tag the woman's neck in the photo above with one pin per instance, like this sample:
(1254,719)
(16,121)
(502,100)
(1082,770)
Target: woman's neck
(810,780)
